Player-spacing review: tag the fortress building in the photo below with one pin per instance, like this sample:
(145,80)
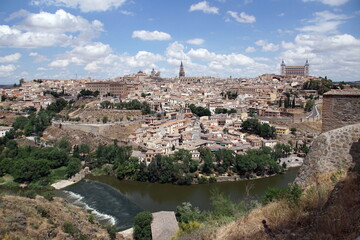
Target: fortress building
(295,70)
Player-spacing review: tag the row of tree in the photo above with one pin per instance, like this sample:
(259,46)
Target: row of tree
(199,111)
(180,168)
(131,105)
(253,126)
(31,164)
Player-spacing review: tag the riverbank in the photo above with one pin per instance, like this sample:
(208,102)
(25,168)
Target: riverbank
(74,179)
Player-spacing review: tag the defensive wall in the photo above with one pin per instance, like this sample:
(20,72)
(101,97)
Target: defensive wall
(331,151)
(340,108)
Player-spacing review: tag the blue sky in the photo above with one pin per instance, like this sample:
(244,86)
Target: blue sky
(239,38)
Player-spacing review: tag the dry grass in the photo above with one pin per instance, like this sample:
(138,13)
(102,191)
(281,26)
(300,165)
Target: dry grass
(24,218)
(330,209)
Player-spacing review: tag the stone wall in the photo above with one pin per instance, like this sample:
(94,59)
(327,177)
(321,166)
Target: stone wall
(109,130)
(340,108)
(330,151)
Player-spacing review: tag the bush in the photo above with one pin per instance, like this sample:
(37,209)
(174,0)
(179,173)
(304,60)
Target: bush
(69,228)
(142,226)
(290,194)
(111,229)
(42,211)
(91,218)
(189,227)
(186,213)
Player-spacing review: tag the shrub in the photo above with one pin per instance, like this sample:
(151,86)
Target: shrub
(190,226)
(42,211)
(69,228)
(111,229)
(142,226)
(291,194)
(186,213)
(91,218)
(203,180)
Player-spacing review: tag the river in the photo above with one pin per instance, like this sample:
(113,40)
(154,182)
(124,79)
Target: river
(116,201)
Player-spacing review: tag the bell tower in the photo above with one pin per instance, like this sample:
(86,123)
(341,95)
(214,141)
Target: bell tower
(181,72)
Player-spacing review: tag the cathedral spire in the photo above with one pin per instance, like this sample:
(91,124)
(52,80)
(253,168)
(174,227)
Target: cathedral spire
(181,72)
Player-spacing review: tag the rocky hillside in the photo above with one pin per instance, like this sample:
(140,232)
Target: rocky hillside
(75,137)
(25,218)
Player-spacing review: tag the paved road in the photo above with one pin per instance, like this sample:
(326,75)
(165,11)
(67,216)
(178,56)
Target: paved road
(315,111)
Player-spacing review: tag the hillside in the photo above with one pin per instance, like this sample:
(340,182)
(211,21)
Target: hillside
(25,218)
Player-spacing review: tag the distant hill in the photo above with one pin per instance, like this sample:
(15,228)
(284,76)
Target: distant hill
(6,86)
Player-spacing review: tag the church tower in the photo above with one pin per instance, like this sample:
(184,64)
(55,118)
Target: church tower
(307,68)
(283,68)
(181,72)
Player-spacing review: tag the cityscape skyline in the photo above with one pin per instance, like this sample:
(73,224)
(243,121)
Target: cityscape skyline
(67,39)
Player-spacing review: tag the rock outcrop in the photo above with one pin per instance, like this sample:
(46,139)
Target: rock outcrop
(331,151)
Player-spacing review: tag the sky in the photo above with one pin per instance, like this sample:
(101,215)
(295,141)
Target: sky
(102,39)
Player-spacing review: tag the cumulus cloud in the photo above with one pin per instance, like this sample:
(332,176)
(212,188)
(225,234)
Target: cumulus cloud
(61,63)
(113,63)
(324,22)
(242,17)
(7,70)
(195,41)
(329,2)
(83,5)
(10,58)
(204,7)
(267,47)
(151,36)
(250,49)
(37,57)
(46,29)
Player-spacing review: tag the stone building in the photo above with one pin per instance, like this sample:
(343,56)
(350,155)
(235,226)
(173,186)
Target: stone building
(181,71)
(340,108)
(121,89)
(295,70)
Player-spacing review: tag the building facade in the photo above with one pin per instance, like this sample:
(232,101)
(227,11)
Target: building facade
(295,70)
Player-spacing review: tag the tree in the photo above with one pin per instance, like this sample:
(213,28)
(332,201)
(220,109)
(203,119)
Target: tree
(105,119)
(64,144)
(84,149)
(309,105)
(142,226)
(293,130)
(128,169)
(73,167)
(30,169)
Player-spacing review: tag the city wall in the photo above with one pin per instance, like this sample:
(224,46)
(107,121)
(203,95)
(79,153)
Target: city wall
(340,108)
(331,151)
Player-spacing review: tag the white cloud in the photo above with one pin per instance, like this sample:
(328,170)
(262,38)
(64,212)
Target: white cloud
(204,7)
(114,63)
(250,49)
(195,41)
(242,17)
(10,58)
(19,14)
(202,54)
(324,22)
(329,2)
(62,63)
(175,51)
(7,70)
(46,29)
(128,13)
(83,5)
(151,36)
(267,47)
(37,57)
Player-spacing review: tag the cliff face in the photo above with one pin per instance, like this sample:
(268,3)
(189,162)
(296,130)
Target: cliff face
(331,151)
(24,218)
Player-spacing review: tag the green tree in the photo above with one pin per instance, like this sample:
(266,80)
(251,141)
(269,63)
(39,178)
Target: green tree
(73,167)
(29,169)
(142,226)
